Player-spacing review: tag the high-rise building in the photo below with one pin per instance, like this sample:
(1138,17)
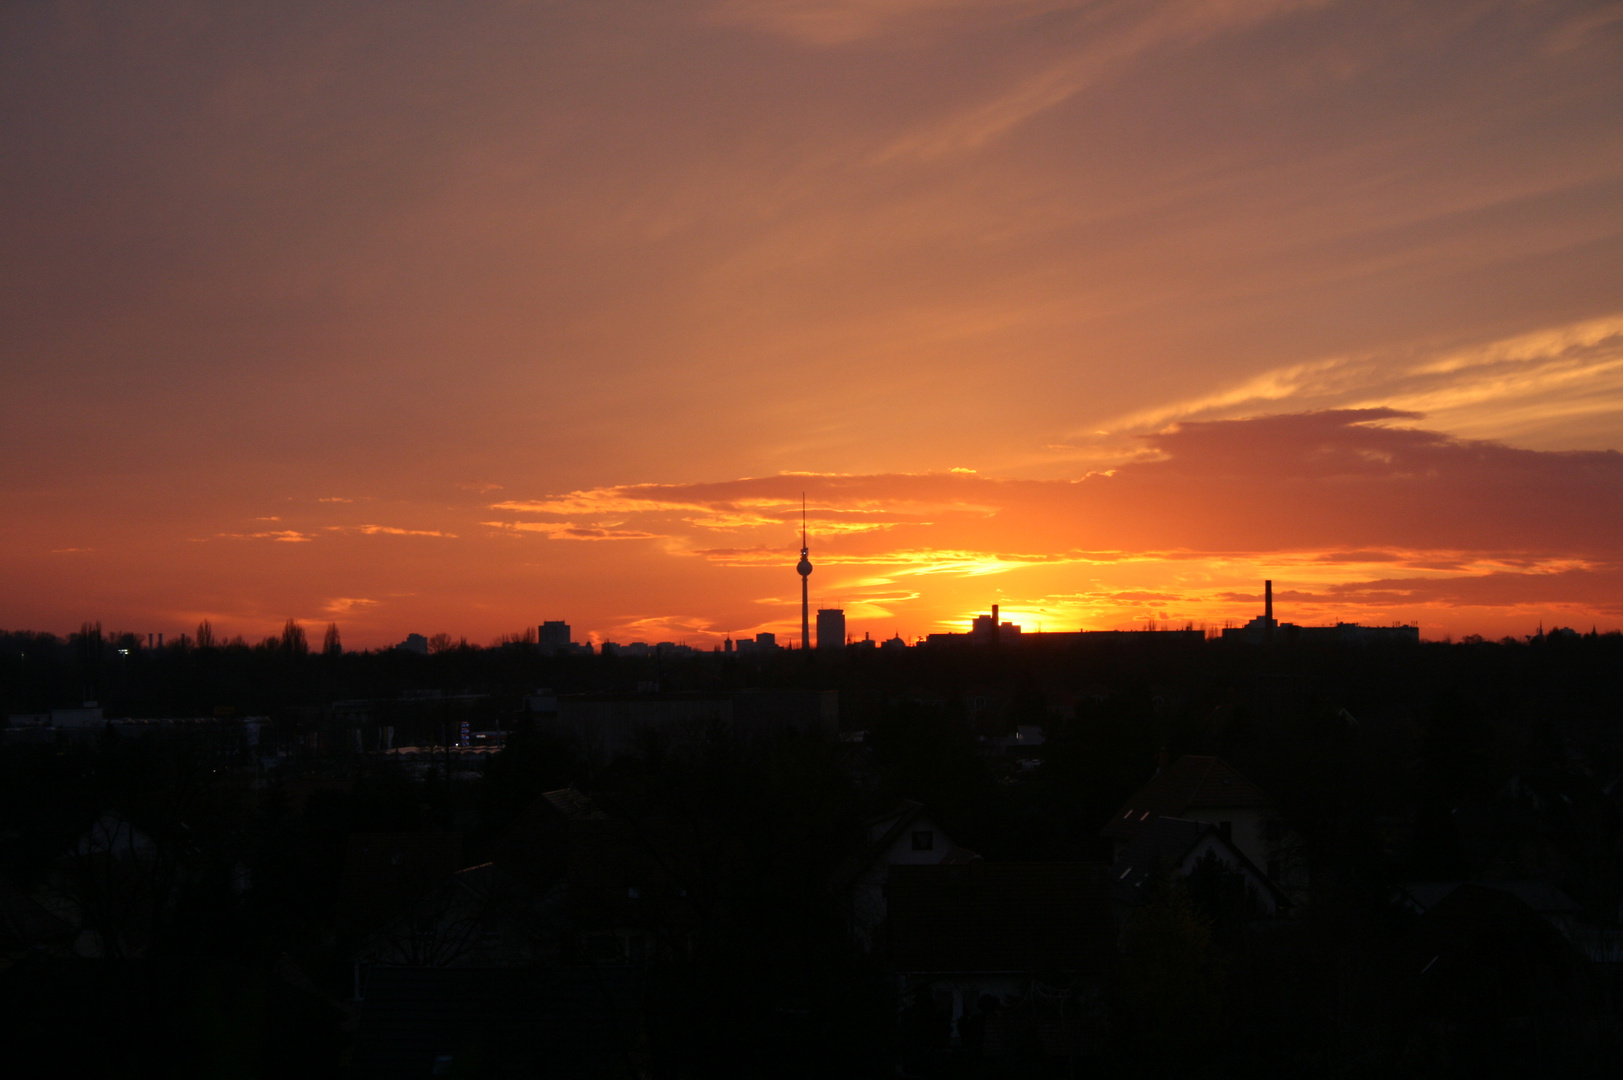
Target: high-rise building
(987,630)
(831,628)
(554,636)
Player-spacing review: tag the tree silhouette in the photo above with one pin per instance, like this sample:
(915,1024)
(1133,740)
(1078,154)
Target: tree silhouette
(205,635)
(293,642)
(89,645)
(330,644)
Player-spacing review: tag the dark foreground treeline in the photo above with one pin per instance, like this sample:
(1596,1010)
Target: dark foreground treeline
(213,925)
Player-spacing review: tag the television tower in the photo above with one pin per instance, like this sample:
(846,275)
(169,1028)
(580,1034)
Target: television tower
(805,568)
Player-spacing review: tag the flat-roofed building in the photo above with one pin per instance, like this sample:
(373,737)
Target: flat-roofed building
(831,628)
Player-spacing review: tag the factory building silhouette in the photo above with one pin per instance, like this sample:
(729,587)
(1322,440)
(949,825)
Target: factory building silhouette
(1265,629)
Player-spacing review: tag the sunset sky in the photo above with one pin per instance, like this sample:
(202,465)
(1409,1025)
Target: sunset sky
(453,318)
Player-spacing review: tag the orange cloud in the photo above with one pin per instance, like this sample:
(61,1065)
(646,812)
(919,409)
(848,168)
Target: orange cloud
(1347,482)
(563,530)
(348,605)
(1319,498)
(284,536)
(391,530)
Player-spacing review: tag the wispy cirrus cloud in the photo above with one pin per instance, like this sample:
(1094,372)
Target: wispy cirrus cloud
(770,499)
(1500,388)
(564,530)
(916,561)
(348,605)
(389,530)
(1105,39)
(295,536)
(829,23)
(284,536)
(638,498)
(676,628)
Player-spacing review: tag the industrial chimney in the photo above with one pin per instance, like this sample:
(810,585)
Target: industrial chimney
(995,625)
(1268,610)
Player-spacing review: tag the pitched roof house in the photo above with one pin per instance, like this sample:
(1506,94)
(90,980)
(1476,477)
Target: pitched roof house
(985,918)
(1169,846)
(384,873)
(906,835)
(1208,790)
(1010,955)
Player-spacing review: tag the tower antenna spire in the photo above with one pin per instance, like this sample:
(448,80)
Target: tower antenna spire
(804,569)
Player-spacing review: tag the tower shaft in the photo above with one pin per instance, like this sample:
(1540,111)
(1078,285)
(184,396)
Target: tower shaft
(804,569)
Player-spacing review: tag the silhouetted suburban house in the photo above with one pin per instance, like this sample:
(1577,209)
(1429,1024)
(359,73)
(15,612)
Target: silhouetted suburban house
(1015,952)
(1209,790)
(385,873)
(27,925)
(566,1022)
(615,894)
(1499,988)
(905,836)
(477,917)
(1176,847)
(1552,905)
(570,884)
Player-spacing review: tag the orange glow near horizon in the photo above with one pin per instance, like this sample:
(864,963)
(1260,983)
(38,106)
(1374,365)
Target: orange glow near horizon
(429,319)
(1356,519)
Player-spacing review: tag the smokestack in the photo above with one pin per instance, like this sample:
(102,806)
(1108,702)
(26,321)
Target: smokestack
(997,627)
(1268,600)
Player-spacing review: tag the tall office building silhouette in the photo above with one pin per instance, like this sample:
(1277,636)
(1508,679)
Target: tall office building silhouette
(831,628)
(804,568)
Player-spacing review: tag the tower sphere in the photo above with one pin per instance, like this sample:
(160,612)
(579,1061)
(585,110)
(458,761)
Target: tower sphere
(804,566)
